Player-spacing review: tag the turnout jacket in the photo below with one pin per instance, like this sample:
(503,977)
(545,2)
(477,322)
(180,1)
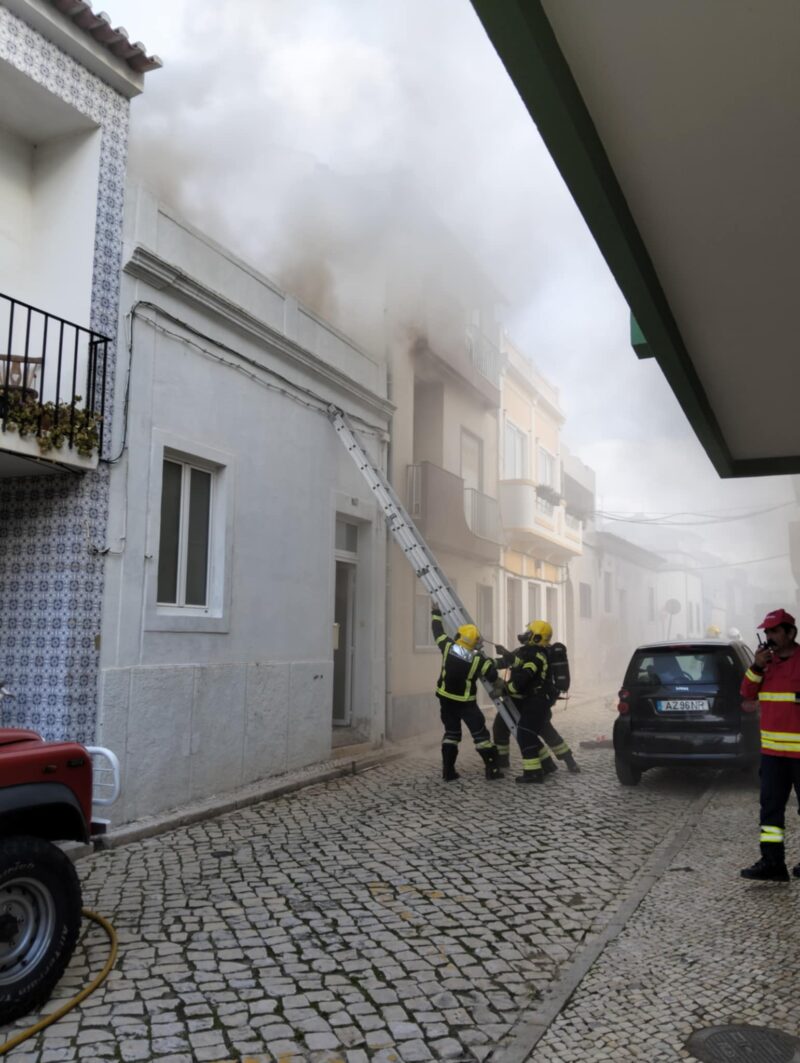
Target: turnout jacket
(461,668)
(528,676)
(777,688)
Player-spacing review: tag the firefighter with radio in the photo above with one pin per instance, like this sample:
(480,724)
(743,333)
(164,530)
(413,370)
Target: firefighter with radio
(463,665)
(539,673)
(774,679)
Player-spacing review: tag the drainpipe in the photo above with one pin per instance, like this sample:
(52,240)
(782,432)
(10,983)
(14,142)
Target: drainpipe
(388,592)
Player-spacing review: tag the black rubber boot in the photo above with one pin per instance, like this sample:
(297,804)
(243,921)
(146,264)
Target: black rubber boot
(449,754)
(796,870)
(549,765)
(771,867)
(766,871)
(572,764)
(490,759)
(530,777)
(503,760)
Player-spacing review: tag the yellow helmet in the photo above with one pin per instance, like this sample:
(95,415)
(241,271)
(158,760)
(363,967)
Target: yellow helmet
(713,632)
(541,632)
(468,636)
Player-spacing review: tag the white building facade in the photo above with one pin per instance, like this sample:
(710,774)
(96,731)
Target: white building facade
(244,611)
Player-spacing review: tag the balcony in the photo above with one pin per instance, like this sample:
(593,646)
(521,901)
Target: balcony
(468,353)
(485,356)
(533,524)
(52,392)
(452,517)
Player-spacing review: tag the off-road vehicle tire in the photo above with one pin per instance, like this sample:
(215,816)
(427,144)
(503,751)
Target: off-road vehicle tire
(627,774)
(41,893)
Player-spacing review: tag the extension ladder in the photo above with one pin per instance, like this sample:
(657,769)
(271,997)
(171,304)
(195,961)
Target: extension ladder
(417,551)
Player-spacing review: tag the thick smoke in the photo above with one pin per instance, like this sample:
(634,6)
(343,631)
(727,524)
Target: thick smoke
(339,146)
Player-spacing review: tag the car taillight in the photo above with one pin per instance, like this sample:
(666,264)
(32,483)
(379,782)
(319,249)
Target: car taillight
(623,706)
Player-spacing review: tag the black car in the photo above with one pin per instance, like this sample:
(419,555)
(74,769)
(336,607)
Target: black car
(680,704)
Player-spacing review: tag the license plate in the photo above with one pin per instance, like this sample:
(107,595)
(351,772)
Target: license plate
(683,705)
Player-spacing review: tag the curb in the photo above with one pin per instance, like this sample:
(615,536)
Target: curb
(533,1023)
(211,808)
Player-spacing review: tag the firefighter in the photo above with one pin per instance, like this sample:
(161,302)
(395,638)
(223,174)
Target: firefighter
(463,665)
(774,678)
(500,731)
(531,687)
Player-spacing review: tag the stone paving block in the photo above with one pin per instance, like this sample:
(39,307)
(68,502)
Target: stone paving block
(322,913)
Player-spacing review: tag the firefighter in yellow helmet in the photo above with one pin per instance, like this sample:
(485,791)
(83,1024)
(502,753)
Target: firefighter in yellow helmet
(463,665)
(534,694)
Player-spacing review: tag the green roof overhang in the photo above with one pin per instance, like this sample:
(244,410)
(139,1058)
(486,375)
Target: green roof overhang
(524,39)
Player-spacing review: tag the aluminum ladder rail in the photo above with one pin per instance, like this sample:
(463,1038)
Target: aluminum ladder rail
(419,555)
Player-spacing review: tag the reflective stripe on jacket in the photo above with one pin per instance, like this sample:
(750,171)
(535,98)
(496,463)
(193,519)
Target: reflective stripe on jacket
(778,693)
(461,668)
(528,672)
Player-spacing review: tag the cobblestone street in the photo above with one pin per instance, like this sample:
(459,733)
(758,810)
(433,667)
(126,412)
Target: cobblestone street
(389,916)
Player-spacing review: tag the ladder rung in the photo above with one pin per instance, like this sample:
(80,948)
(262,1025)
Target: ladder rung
(408,538)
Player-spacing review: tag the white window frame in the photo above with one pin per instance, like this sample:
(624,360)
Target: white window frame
(214,616)
(187,467)
(547,462)
(472,438)
(584,601)
(516,452)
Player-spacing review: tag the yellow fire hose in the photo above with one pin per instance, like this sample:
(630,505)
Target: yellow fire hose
(48,1020)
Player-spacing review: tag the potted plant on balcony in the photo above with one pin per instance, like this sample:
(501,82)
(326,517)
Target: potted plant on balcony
(549,494)
(52,423)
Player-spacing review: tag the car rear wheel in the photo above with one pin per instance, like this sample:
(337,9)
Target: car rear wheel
(627,774)
(40,915)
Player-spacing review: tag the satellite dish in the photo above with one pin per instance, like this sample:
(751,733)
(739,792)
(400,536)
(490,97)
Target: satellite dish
(672,606)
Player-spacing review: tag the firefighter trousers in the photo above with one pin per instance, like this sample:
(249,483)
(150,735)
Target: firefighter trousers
(778,776)
(535,716)
(452,715)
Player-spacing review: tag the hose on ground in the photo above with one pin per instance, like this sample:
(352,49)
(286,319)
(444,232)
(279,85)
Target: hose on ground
(87,990)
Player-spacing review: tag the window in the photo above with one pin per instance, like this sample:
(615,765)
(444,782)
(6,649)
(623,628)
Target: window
(513,609)
(607,591)
(651,603)
(485,611)
(585,601)
(185,535)
(191,517)
(547,468)
(346,537)
(471,461)
(534,602)
(664,667)
(515,456)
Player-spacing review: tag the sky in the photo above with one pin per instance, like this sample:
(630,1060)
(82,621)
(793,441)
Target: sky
(259,99)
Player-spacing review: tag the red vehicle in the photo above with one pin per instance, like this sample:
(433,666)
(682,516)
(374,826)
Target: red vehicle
(45,797)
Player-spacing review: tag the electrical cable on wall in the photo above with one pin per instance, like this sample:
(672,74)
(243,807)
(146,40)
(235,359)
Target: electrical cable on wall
(666,519)
(288,388)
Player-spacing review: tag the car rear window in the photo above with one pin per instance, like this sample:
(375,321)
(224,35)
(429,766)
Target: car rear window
(665,667)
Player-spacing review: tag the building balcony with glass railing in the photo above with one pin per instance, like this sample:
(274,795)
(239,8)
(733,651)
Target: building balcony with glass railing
(452,516)
(535,520)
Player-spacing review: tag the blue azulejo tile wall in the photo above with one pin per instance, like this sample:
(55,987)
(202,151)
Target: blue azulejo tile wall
(53,527)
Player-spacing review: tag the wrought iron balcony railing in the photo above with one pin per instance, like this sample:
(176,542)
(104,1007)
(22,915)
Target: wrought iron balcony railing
(52,379)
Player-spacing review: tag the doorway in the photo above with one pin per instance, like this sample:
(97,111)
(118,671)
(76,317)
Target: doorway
(344,642)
